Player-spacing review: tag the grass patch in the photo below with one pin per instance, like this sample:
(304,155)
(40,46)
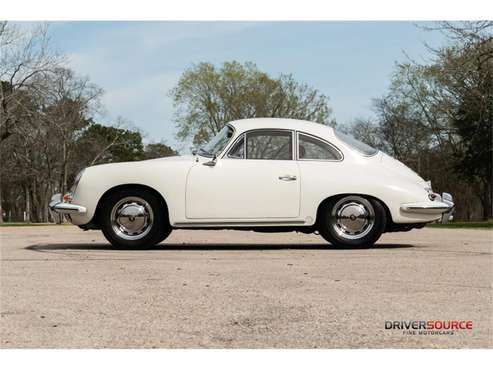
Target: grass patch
(464,225)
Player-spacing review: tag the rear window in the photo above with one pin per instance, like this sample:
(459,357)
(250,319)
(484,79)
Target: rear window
(356,144)
(315,149)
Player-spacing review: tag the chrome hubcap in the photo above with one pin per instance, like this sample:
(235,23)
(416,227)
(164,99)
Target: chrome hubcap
(132,218)
(352,217)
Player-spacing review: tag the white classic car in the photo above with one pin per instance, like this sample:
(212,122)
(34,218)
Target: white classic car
(259,174)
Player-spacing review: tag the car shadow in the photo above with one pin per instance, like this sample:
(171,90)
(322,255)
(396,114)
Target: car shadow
(207,247)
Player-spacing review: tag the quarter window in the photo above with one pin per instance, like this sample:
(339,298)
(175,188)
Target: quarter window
(269,144)
(312,148)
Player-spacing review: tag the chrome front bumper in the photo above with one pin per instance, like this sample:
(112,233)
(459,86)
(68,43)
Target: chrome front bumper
(59,206)
(443,205)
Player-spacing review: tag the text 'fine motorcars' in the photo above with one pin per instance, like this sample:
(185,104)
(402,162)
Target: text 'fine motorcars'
(262,174)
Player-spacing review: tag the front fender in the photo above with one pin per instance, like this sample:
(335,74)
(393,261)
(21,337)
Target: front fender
(165,177)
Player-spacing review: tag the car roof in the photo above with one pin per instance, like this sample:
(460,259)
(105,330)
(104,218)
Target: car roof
(283,123)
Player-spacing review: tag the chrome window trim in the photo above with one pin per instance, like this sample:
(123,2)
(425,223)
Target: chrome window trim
(238,139)
(226,147)
(323,141)
(244,135)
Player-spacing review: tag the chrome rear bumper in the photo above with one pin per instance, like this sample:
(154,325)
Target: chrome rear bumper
(443,205)
(59,206)
(449,215)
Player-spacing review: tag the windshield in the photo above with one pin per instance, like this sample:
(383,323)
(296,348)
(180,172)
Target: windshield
(356,144)
(217,143)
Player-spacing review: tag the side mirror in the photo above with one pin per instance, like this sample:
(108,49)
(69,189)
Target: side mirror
(211,163)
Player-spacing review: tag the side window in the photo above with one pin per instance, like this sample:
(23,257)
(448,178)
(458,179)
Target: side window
(269,144)
(238,149)
(312,148)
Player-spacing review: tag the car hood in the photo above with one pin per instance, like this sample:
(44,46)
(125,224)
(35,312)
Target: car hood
(172,161)
(186,158)
(398,168)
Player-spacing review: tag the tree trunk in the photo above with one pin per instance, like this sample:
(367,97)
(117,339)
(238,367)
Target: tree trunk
(486,201)
(64,169)
(1,209)
(34,202)
(28,205)
(46,199)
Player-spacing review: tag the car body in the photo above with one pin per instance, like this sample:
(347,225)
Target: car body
(261,174)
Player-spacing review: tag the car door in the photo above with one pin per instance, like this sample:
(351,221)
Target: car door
(257,178)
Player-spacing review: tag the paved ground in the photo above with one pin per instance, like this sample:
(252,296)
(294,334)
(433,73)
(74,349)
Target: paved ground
(61,287)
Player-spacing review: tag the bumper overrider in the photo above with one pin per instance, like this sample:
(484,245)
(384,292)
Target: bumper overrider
(62,205)
(440,204)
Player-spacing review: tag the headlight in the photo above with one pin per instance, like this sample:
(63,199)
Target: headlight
(431,195)
(76,181)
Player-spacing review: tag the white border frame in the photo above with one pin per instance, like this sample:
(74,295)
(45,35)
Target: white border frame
(34,10)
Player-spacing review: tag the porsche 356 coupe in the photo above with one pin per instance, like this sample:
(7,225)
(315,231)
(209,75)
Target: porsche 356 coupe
(261,174)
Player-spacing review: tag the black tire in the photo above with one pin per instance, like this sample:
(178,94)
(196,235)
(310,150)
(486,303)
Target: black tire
(336,223)
(156,227)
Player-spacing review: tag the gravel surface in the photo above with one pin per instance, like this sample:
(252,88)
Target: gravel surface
(65,288)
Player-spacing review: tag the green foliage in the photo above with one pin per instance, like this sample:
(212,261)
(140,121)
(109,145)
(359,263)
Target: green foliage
(475,129)
(158,150)
(473,114)
(106,144)
(207,97)
(437,117)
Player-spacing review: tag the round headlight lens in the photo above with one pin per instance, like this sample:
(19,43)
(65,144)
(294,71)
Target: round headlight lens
(432,196)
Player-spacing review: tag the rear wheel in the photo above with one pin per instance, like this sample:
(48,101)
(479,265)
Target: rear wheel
(352,221)
(134,218)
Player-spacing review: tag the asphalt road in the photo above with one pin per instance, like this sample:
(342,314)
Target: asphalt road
(62,287)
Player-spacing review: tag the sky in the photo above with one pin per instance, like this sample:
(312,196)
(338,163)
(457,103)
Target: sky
(137,63)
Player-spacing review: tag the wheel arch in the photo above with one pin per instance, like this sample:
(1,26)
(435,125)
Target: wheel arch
(322,204)
(112,190)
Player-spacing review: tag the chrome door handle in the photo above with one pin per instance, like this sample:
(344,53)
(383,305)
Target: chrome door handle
(287,178)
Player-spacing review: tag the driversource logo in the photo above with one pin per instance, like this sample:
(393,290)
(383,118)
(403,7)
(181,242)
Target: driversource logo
(429,327)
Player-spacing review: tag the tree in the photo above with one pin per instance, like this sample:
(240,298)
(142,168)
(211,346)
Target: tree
(469,78)
(158,150)
(105,144)
(25,59)
(437,116)
(474,162)
(368,131)
(464,74)
(47,133)
(40,149)
(206,98)
(68,100)
(401,128)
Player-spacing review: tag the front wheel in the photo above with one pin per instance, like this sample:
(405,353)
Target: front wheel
(352,221)
(134,218)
